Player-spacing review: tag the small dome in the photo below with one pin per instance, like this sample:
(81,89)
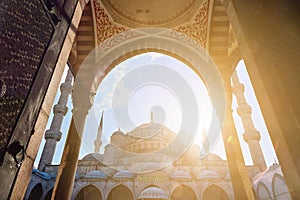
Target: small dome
(95,175)
(212,157)
(43,175)
(153,193)
(93,157)
(123,175)
(180,175)
(208,174)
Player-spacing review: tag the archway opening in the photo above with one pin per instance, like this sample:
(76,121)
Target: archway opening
(183,192)
(36,193)
(156,99)
(280,189)
(215,192)
(263,192)
(89,192)
(120,192)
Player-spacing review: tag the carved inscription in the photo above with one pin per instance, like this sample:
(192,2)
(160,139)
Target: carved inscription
(25,31)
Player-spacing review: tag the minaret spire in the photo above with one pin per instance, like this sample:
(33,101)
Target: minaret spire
(53,135)
(205,142)
(251,135)
(98,140)
(151,116)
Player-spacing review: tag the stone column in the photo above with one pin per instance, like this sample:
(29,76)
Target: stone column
(251,135)
(53,135)
(98,140)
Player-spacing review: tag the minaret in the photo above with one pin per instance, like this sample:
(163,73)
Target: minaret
(251,135)
(205,142)
(98,140)
(53,135)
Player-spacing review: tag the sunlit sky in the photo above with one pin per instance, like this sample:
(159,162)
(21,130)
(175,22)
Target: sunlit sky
(163,103)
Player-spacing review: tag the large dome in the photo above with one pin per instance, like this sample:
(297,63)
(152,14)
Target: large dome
(150,137)
(151,130)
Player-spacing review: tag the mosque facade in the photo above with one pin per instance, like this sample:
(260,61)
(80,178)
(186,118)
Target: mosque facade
(144,163)
(134,167)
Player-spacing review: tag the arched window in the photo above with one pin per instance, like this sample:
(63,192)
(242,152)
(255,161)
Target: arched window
(89,192)
(183,192)
(215,192)
(280,190)
(120,192)
(263,192)
(36,193)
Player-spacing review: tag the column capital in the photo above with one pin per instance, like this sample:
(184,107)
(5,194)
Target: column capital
(53,134)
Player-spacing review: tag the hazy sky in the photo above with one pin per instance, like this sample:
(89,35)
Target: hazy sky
(162,101)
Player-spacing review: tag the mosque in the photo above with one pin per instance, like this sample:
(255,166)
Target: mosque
(141,165)
(115,175)
(39,38)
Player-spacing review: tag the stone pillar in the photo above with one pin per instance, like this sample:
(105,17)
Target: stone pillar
(251,135)
(98,140)
(53,135)
(270,46)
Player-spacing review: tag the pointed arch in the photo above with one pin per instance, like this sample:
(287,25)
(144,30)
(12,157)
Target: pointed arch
(183,192)
(89,192)
(279,188)
(37,192)
(49,194)
(120,192)
(214,192)
(263,192)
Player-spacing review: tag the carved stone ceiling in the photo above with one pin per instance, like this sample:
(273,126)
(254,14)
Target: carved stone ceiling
(162,13)
(195,26)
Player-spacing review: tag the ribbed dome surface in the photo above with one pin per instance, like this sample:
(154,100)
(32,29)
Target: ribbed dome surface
(150,130)
(153,193)
(93,157)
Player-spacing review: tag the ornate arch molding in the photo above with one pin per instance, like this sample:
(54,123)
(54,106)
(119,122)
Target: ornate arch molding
(81,187)
(190,186)
(262,185)
(119,185)
(114,50)
(278,177)
(226,191)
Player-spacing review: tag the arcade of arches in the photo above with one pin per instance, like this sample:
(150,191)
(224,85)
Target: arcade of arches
(210,36)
